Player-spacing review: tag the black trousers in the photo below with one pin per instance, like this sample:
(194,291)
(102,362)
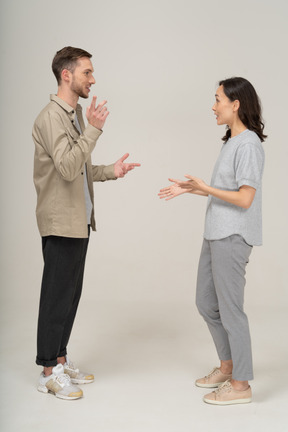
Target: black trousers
(64,262)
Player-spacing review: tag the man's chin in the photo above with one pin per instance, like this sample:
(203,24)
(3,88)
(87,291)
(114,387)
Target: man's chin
(83,95)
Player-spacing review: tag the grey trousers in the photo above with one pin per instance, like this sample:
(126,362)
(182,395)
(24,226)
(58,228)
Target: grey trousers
(220,299)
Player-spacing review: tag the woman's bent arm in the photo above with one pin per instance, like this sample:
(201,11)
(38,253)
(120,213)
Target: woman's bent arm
(242,198)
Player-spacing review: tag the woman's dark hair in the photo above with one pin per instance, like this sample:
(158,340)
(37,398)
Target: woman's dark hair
(67,58)
(249,112)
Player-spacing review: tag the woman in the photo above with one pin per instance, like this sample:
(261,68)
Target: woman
(232,227)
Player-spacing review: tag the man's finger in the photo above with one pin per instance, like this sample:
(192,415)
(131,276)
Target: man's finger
(105,115)
(93,103)
(133,165)
(124,157)
(101,104)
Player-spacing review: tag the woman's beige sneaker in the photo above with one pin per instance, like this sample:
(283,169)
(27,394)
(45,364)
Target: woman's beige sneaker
(213,379)
(227,395)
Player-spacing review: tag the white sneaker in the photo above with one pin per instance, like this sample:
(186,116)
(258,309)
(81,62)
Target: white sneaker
(76,376)
(59,384)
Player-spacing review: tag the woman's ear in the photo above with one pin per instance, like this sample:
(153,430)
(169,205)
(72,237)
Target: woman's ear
(236,105)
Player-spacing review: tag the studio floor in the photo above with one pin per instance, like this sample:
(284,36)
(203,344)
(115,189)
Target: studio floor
(145,363)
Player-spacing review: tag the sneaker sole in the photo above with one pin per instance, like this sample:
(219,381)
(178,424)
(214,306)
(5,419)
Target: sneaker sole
(215,385)
(43,389)
(67,397)
(231,402)
(78,381)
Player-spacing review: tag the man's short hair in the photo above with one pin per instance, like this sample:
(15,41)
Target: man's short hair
(67,58)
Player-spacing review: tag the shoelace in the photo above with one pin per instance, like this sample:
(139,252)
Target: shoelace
(71,365)
(223,387)
(63,380)
(212,373)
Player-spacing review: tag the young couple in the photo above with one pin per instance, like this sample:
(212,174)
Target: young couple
(63,177)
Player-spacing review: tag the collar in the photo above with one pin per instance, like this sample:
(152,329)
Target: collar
(70,110)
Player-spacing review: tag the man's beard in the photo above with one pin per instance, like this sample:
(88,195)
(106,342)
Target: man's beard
(78,90)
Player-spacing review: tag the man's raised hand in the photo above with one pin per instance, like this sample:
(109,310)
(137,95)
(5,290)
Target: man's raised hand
(96,116)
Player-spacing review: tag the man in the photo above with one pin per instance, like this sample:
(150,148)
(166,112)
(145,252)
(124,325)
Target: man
(63,176)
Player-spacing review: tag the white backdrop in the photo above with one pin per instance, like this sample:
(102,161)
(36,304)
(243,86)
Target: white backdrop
(157,63)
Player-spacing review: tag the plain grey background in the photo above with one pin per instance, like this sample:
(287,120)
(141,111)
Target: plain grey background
(157,63)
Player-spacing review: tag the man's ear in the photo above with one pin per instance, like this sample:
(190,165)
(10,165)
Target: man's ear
(65,75)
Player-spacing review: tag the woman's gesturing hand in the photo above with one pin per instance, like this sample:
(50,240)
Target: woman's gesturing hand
(173,190)
(194,186)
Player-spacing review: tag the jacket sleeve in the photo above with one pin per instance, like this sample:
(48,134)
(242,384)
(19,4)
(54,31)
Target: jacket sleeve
(103,172)
(68,151)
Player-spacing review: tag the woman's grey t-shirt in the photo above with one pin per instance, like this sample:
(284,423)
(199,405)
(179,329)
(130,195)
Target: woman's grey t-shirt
(241,162)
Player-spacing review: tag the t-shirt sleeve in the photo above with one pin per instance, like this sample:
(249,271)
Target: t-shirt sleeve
(249,163)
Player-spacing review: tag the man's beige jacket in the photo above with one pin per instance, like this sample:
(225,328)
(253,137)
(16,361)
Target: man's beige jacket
(59,163)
